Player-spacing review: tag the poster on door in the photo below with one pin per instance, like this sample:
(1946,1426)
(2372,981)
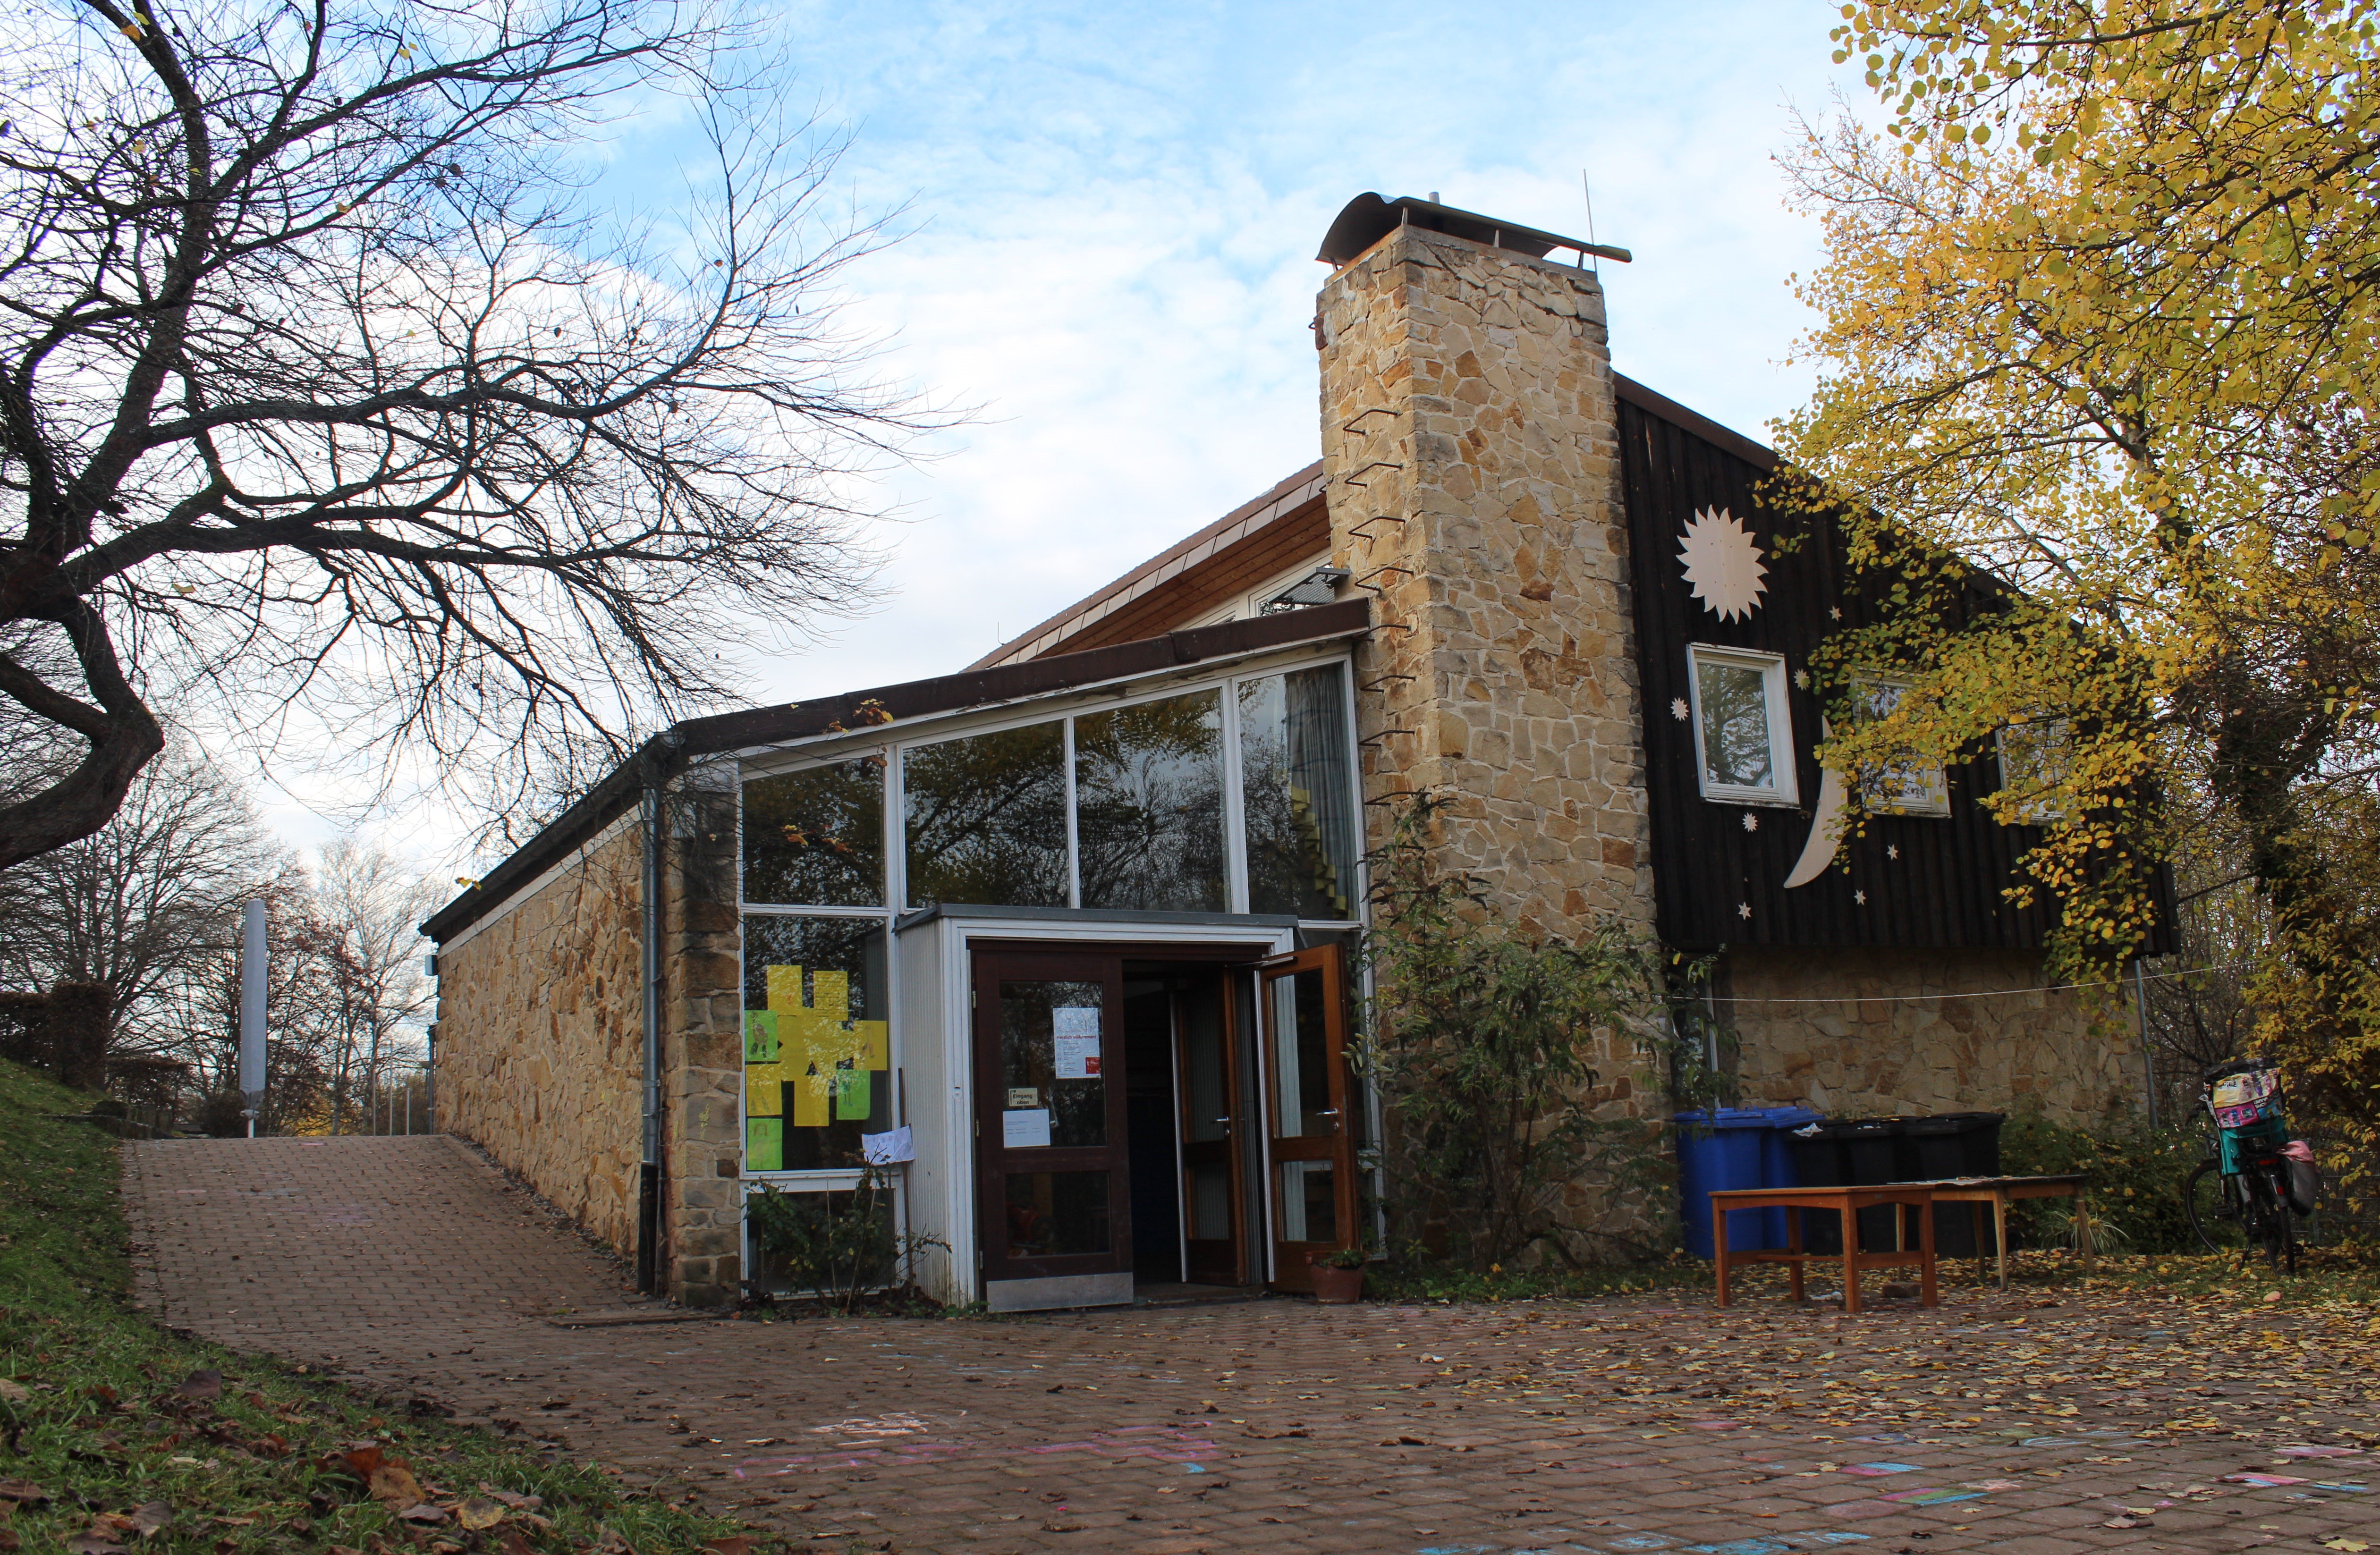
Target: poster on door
(1075,1029)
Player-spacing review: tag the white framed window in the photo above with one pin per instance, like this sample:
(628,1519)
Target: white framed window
(1743,731)
(2035,759)
(1911,786)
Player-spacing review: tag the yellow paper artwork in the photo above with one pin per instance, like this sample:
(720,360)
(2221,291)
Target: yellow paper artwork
(762,1095)
(822,1053)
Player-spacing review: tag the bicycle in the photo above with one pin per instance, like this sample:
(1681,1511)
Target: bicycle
(2256,1183)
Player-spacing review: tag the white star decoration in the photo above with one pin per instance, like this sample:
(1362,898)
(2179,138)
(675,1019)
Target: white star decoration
(1751,822)
(1802,679)
(1837,611)
(1723,563)
(1677,709)
(1859,898)
(1893,851)
(1744,910)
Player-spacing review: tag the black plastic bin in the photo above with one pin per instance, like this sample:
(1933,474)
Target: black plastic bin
(1869,1151)
(1820,1161)
(1872,1149)
(1953,1144)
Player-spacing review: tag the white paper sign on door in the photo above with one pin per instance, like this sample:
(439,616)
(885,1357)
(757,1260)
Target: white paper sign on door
(1075,1020)
(1078,1058)
(1024,1129)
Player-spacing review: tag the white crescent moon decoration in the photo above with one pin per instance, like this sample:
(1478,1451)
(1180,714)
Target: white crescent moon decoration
(1722,562)
(1819,851)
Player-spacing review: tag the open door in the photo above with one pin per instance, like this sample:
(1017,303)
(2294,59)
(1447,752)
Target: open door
(1054,1175)
(1207,1069)
(1311,1140)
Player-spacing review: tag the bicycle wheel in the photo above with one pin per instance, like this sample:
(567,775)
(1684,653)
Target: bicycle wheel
(2214,1209)
(2277,1225)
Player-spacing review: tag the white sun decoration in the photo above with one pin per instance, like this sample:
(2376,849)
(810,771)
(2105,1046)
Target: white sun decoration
(1723,563)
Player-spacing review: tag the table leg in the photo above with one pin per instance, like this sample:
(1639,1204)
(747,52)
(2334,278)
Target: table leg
(2082,1225)
(1851,1261)
(1999,1233)
(1793,1245)
(1718,1248)
(1928,1292)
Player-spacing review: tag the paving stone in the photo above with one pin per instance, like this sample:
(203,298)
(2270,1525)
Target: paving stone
(415,1268)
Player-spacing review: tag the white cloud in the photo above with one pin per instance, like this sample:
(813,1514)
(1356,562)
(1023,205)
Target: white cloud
(1115,212)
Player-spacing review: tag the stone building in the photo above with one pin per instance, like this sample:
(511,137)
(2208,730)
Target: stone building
(1058,939)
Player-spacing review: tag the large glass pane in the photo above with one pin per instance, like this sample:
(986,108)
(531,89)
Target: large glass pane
(1309,1201)
(1297,775)
(1301,1065)
(817,1060)
(1052,1064)
(1149,805)
(816,838)
(986,818)
(1733,700)
(1058,1214)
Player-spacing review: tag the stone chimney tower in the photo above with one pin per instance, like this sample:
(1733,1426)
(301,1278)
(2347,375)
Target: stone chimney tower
(1471,442)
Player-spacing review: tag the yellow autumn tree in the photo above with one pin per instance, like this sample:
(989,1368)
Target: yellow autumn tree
(2100,317)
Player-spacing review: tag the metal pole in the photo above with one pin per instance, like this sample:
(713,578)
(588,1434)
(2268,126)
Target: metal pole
(252,952)
(2141,1013)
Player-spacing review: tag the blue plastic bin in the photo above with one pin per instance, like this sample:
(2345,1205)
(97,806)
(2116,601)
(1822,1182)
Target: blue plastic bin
(1738,1148)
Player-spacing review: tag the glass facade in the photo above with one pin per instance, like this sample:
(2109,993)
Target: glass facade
(816,838)
(985,818)
(1149,805)
(1297,779)
(1139,819)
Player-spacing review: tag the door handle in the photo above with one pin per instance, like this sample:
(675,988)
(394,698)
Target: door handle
(1326,1113)
(1222,1120)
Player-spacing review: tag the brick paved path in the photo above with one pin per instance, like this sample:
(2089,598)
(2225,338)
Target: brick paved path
(1617,1427)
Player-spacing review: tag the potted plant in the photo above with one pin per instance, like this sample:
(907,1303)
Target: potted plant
(1338,1275)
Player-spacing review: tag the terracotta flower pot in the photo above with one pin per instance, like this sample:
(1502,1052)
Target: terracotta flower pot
(1336,1287)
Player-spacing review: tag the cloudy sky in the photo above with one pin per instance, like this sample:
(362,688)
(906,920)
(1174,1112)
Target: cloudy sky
(1110,213)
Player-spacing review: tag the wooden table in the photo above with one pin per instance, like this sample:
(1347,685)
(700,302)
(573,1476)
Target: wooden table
(2000,1192)
(1847,1201)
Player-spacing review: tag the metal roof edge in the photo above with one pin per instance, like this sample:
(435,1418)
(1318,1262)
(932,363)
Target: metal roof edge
(1286,497)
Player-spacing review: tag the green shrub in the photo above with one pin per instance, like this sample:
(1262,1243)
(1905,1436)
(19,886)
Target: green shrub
(2136,1176)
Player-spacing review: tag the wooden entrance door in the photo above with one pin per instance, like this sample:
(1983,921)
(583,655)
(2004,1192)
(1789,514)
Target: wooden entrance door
(1206,1084)
(1053,1175)
(1310,1153)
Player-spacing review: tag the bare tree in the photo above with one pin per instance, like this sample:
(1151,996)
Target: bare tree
(367,904)
(323,391)
(146,902)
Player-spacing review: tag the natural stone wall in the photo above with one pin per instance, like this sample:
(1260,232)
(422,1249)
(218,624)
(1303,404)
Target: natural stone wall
(1470,440)
(541,1043)
(1877,1037)
(702,1051)
(540,1053)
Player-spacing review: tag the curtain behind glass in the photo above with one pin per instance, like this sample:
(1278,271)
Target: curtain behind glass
(986,818)
(1298,774)
(1149,805)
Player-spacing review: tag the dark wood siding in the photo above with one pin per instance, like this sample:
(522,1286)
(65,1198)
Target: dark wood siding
(1926,881)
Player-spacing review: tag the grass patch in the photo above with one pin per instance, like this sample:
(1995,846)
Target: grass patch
(116,1434)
